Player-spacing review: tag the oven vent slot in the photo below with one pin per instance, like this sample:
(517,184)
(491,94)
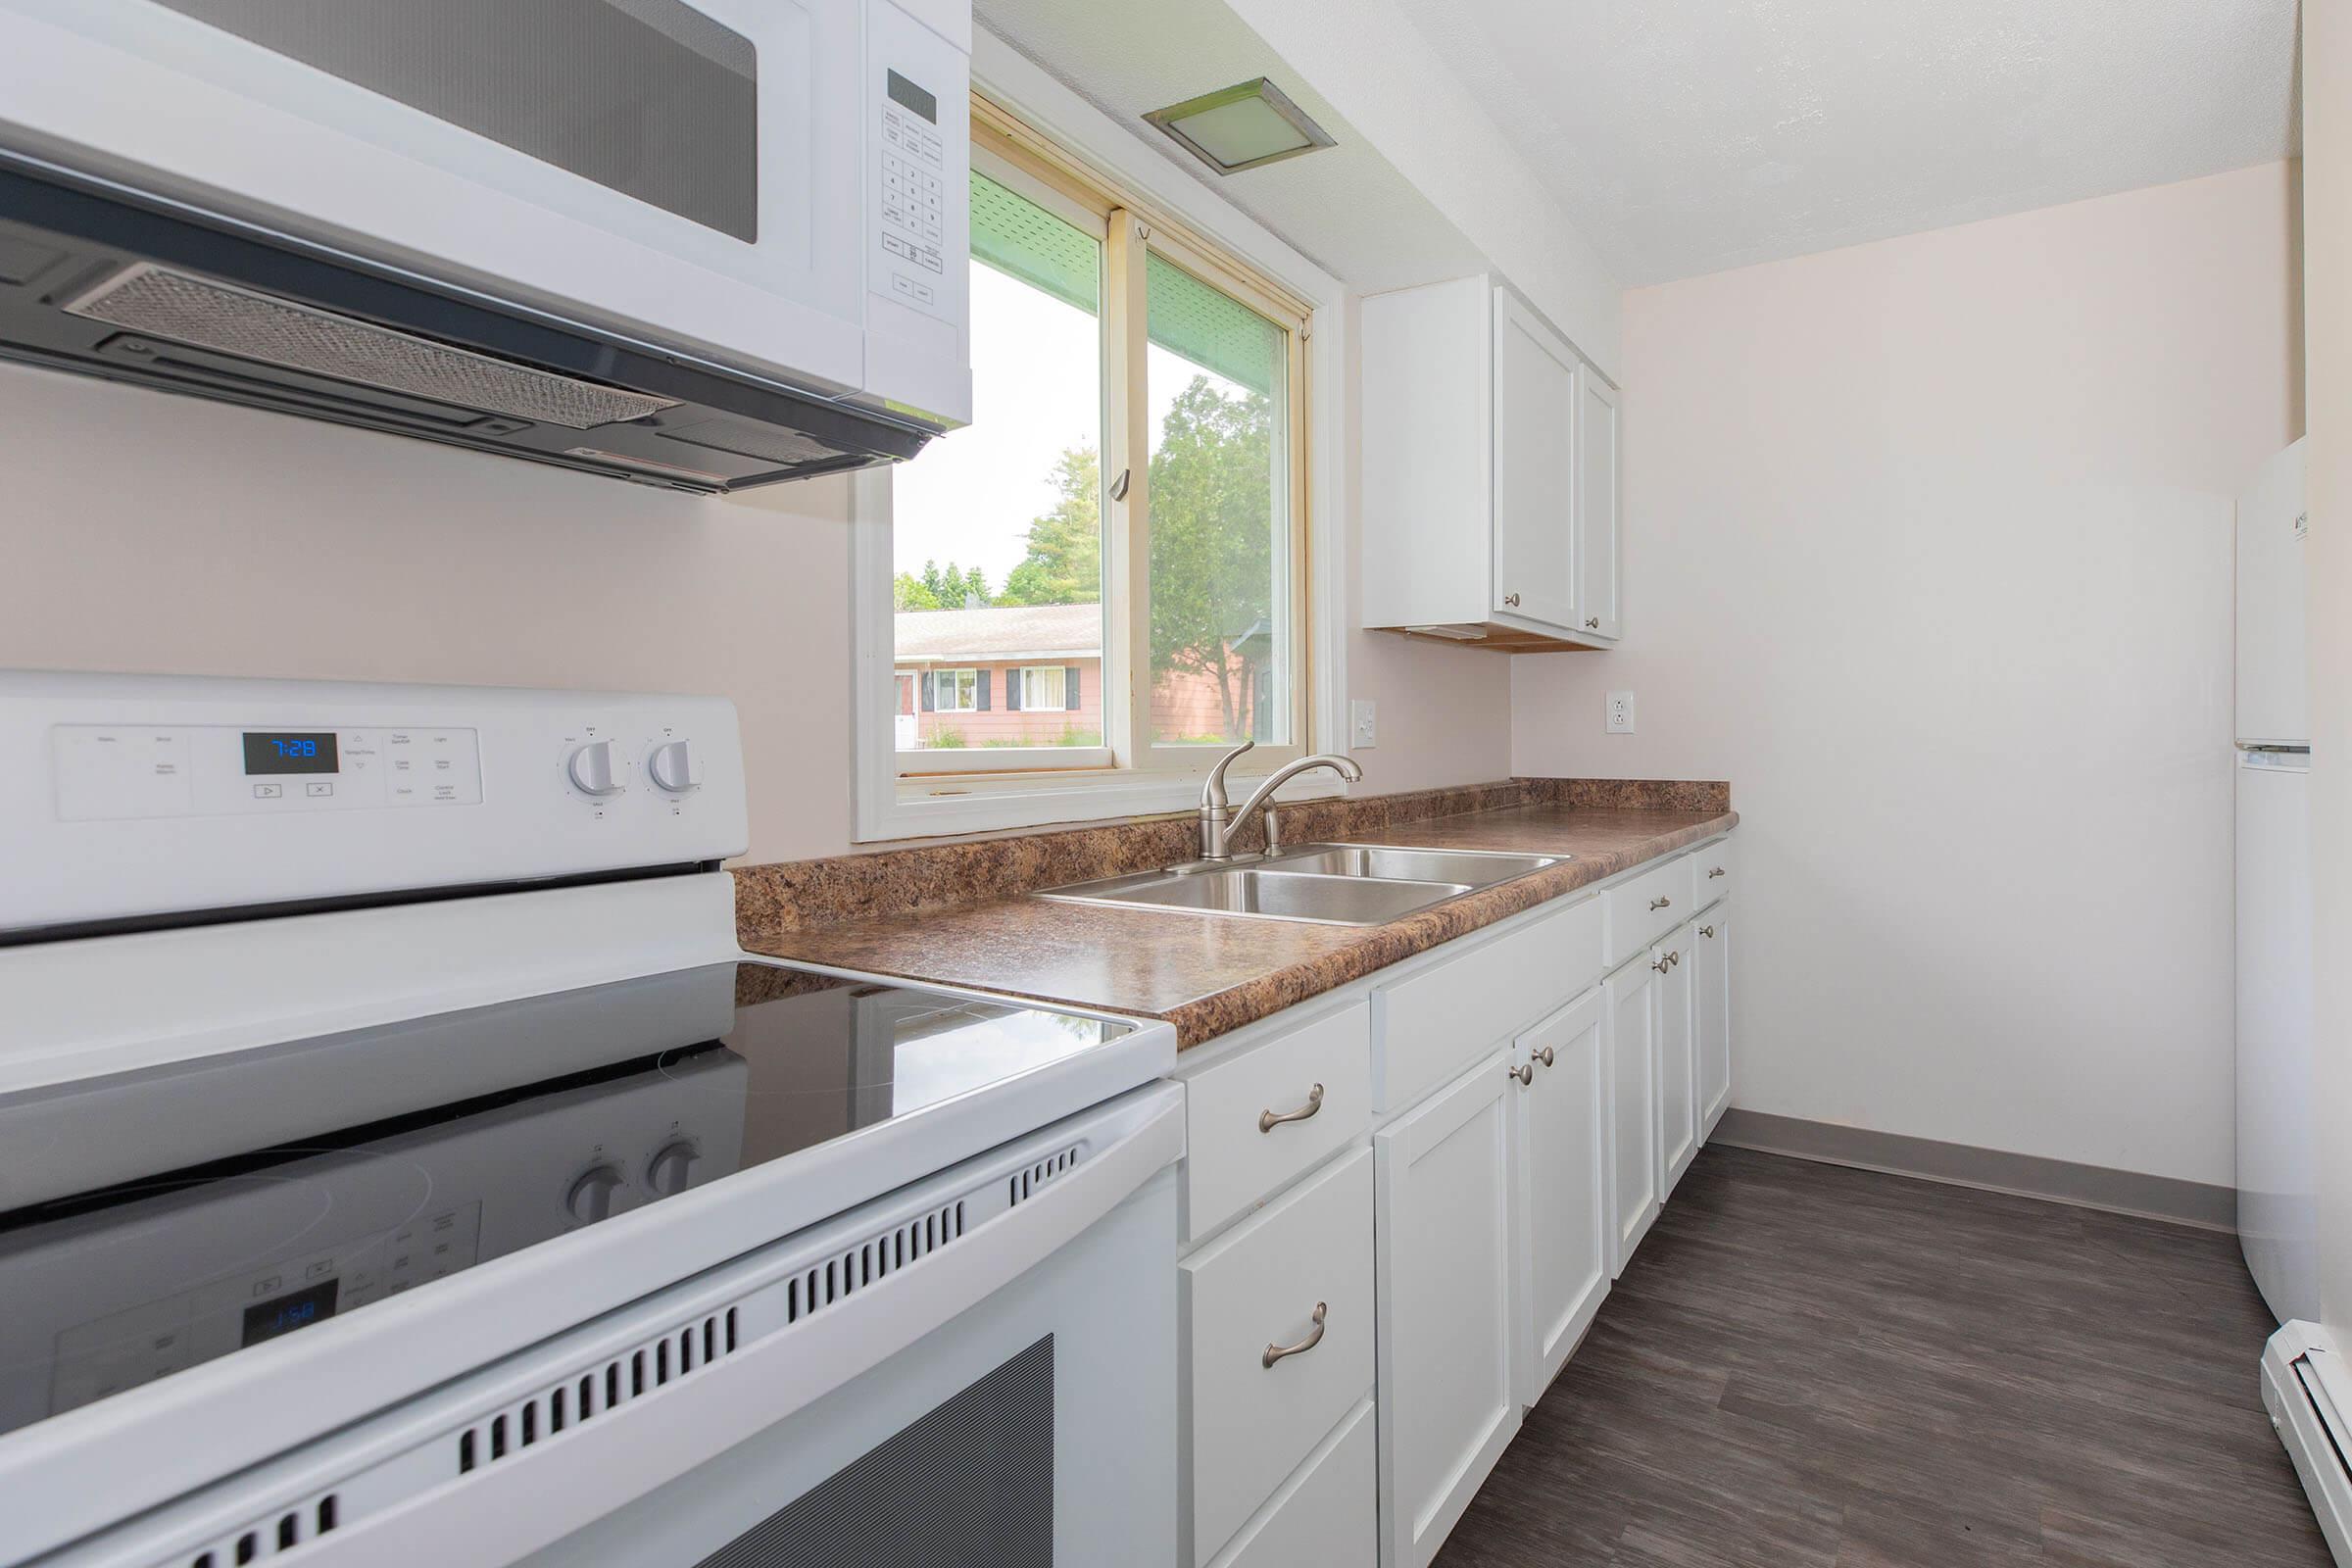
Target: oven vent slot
(596,1391)
(1023,1184)
(871,1261)
(259,1540)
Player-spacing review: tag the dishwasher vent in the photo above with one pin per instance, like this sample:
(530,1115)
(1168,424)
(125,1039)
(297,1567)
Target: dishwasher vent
(183,308)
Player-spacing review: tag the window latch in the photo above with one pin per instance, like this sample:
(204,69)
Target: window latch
(1118,486)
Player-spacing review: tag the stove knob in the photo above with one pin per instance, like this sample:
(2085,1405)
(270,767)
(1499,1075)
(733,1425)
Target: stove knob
(590,1197)
(672,1168)
(677,768)
(591,769)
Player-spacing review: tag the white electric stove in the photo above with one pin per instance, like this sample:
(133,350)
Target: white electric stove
(401,1161)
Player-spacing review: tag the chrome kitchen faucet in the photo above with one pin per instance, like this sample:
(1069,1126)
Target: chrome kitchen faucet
(1220,820)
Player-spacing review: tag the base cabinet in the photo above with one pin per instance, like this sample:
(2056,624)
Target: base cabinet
(1327,1515)
(1711,979)
(1407,1207)
(1630,1000)
(1562,1177)
(1444,1271)
(1678,1063)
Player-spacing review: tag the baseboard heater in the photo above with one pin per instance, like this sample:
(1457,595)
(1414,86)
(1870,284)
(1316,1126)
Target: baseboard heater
(2306,1387)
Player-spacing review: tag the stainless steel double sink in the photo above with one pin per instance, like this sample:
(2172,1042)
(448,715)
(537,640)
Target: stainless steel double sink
(1329,884)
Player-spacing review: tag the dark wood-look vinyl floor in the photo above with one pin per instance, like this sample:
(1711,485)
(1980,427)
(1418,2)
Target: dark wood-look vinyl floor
(1813,1367)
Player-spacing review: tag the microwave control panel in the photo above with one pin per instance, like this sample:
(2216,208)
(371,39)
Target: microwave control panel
(919,121)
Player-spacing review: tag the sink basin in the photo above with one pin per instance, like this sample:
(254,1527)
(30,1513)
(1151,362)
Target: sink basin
(1477,868)
(1268,895)
(1330,884)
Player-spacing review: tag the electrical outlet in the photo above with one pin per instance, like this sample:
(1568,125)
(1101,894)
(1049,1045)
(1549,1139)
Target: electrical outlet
(1621,713)
(1363,723)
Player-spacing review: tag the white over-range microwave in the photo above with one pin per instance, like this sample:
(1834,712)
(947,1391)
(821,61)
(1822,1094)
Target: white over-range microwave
(703,243)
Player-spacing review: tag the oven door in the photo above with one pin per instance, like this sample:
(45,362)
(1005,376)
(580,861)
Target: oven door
(683,172)
(1037,1428)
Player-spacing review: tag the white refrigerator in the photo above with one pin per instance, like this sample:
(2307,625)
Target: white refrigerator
(2277,1208)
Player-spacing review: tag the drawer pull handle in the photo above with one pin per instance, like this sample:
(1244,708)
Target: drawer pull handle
(1712,875)
(1707,931)
(1545,1057)
(1525,1073)
(1314,1336)
(1269,1120)
(1660,903)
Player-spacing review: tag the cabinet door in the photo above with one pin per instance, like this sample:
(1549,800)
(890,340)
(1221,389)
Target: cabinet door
(1444,1282)
(1535,468)
(1563,1204)
(1678,1061)
(1712,978)
(1598,566)
(1633,1052)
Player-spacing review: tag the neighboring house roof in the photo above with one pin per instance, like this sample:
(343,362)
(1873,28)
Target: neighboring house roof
(998,632)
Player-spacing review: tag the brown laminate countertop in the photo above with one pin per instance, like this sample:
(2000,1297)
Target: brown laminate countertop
(1209,975)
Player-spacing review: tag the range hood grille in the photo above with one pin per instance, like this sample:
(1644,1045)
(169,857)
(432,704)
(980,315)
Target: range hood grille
(203,313)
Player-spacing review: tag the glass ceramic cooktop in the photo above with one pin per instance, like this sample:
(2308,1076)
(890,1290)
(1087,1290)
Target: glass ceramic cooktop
(159,1219)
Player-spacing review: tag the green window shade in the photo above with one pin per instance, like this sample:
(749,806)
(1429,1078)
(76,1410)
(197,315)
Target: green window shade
(1021,239)
(1211,328)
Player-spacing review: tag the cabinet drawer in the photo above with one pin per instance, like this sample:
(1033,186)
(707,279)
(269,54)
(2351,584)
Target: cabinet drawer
(1714,868)
(1325,1516)
(1645,908)
(1438,1022)
(1236,1151)
(1247,1425)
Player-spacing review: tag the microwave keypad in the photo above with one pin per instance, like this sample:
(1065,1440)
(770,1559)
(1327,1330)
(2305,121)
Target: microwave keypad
(914,193)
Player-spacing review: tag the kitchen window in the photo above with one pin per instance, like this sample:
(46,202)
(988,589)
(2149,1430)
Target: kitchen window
(1122,531)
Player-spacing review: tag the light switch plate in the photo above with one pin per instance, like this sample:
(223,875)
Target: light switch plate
(1363,723)
(1621,713)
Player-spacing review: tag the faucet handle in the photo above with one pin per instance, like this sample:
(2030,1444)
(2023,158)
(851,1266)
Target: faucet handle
(1212,793)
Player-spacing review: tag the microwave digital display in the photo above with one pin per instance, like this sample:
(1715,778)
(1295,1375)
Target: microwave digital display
(906,95)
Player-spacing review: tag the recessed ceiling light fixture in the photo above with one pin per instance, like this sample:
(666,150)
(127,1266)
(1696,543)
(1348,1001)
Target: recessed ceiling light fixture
(1240,126)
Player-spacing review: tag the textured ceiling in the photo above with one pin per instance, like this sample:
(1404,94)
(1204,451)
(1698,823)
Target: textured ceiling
(1344,206)
(1684,137)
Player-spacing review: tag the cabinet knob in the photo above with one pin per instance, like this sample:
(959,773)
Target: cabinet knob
(1275,1352)
(1545,1057)
(1269,1120)
(1660,903)
(1660,965)
(1592,623)
(1511,600)
(1525,1073)
(1707,931)
(1712,875)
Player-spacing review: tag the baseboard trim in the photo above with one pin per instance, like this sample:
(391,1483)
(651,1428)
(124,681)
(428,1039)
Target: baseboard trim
(2057,1181)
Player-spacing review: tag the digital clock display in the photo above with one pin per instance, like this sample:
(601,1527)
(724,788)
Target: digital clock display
(283,1314)
(282,751)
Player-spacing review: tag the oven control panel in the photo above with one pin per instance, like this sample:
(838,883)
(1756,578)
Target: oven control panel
(136,797)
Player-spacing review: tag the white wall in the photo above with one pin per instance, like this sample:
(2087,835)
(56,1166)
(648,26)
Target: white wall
(2327,276)
(1928,554)
(140,531)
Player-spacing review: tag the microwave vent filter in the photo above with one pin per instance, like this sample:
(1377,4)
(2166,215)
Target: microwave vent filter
(200,312)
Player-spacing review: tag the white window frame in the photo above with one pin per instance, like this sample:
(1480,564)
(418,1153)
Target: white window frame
(1060,673)
(1005,790)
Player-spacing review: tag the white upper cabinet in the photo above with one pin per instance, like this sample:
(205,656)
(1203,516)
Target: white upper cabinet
(1490,474)
(1597,609)
(1534,468)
